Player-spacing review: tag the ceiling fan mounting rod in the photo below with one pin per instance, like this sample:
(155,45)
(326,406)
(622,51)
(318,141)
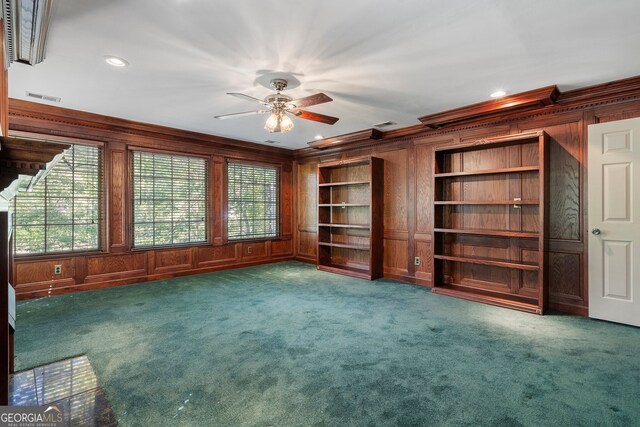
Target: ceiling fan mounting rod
(279,84)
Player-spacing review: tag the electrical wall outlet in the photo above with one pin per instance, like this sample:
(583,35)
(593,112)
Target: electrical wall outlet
(57,269)
(417,260)
(249,250)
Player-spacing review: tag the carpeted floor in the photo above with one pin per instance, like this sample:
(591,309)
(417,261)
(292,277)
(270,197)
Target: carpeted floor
(284,344)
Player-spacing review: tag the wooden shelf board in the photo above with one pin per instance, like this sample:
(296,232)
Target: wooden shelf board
(493,291)
(342,205)
(358,226)
(341,164)
(487,299)
(488,232)
(481,261)
(486,202)
(345,246)
(349,271)
(335,184)
(499,141)
(487,171)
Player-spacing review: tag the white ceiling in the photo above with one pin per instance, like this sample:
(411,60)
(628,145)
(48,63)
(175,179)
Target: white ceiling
(378,60)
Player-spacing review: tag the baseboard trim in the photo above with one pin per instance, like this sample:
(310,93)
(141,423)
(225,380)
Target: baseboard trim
(570,309)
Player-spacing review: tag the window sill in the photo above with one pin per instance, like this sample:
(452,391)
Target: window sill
(161,247)
(256,239)
(57,255)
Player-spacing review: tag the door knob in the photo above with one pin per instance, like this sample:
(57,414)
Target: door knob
(595,231)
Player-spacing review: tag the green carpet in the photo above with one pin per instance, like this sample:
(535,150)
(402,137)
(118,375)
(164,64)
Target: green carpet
(284,344)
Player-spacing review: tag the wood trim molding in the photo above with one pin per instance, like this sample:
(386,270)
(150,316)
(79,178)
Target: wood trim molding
(45,119)
(526,100)
(550,101)
(345,139)
(606,93)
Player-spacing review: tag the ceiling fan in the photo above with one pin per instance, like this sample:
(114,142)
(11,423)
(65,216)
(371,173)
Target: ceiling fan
(282,106)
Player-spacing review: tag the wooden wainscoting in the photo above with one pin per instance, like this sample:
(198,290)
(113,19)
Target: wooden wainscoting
(36,278)
(106,268)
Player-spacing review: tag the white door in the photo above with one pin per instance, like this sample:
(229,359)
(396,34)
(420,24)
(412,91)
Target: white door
(614,221)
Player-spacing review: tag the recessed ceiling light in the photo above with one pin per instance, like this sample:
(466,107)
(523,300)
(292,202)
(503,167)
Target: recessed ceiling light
(115,61)
(319,137)
(498,94)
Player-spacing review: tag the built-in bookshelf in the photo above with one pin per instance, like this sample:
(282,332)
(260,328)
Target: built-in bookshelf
(489,221)
(350,209)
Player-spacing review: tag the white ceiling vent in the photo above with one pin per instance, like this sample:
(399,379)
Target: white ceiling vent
(384,124)
(43,97)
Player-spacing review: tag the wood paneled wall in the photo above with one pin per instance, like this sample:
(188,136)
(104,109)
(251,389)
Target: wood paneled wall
(118,264)
(408,195)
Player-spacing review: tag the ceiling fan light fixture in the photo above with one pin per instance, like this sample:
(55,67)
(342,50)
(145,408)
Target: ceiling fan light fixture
(272,123)
(278,121)
(286,124)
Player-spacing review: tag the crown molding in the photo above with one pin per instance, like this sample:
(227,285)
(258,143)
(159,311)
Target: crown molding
(529,100)
(39,118)
(527,105)
(346,139)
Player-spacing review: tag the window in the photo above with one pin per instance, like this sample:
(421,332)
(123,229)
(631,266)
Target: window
(253,201)
(169,199)
(63,211)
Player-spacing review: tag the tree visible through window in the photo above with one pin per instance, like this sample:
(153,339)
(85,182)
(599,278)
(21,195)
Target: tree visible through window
(253,201)
(169,199)
(62,212)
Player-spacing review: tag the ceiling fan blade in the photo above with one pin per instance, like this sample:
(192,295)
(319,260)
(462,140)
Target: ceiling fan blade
(246,97)
(234,115)
(308,115)
(307,101)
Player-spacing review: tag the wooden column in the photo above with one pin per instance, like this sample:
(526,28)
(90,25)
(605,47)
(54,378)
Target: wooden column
(217,193)
(117,166)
